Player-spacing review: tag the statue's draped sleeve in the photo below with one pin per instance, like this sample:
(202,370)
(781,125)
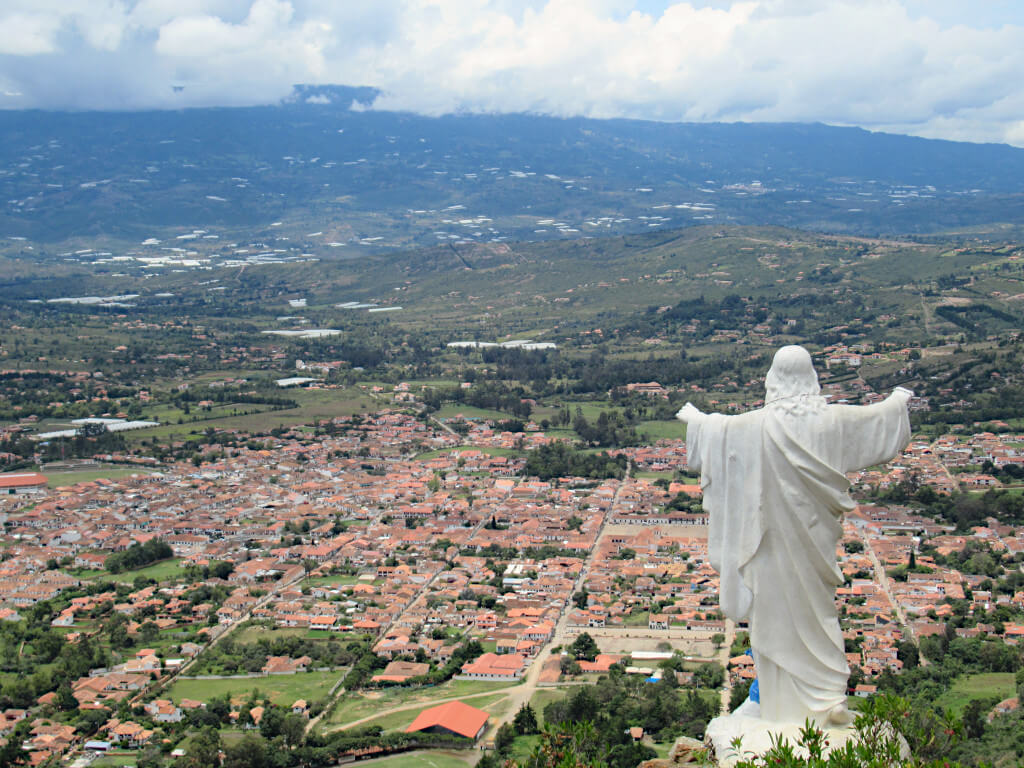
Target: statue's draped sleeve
(872,434)
(726,449)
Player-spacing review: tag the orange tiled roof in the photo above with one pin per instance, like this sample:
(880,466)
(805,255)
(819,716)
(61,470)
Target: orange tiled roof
(454,716)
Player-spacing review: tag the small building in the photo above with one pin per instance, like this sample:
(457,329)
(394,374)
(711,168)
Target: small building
(22,482)
(658,621)
(400,671)
(454,717)
(491,666)
(163,711)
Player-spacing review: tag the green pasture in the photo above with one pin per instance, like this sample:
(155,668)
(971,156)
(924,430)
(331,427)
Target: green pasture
(313,405)
(662,430)
(115,761)
(340,580)
(165,570)
(987,685)
(523,747)
(105,472)
(250,633)
(357,705)
(454,410)
(544,696)
(280,689)
(490,451)
(428,759)
(636,619)
(399,721)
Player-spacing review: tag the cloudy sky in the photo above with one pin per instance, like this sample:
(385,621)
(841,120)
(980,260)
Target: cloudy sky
(939,68)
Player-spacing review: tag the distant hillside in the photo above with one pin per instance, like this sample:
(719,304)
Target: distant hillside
(322,162)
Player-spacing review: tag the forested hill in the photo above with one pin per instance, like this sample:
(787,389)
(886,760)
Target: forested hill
(400,179)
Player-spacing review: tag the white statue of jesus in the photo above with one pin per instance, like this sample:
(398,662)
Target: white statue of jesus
(775,486)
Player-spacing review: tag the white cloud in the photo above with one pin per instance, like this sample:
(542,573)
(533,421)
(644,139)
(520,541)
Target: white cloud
(956,72)
(27,34)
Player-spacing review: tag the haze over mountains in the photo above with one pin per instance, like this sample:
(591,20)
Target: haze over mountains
(385,180)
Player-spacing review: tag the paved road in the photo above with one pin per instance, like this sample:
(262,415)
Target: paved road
(723,659)
(883,580)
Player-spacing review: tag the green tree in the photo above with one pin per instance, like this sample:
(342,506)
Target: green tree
(584,647)
(219,707)
(293,728)
(907,652)
(571,745)
(66,700)
(203,750)
(504,738)
(12,753)
(149,632)
(710,675)
(272,722)
(251,751)
(974,719)
(525,721)
(739,694)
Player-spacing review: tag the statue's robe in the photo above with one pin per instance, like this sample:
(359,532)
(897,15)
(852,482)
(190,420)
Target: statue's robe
(775,486)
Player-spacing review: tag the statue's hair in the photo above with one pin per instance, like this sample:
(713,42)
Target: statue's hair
(792,383)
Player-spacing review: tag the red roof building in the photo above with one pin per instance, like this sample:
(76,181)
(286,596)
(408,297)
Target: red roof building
(22,482)
(454,717)
(491,666)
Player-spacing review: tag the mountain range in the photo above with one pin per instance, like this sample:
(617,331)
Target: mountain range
(324,161)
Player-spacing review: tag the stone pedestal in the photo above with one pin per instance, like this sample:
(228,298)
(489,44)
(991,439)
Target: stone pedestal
(756,734)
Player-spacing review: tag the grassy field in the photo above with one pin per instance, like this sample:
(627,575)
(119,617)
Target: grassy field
(490,451)
(454,410)
(643,475)
(313,405)
(400,720)
(115,761)
(591,411)
(990,685)
(639,619)
(105,472)
(254,632)
(544,696)
(356,706)
(336,580)
(280,689)
(165,570)
(427,759)
(662,430)
(523,747)
(162,571)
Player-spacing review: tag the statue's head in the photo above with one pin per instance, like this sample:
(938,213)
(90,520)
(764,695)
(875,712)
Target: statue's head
(792,374)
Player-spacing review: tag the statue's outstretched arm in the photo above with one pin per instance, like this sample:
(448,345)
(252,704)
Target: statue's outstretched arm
(688,412)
